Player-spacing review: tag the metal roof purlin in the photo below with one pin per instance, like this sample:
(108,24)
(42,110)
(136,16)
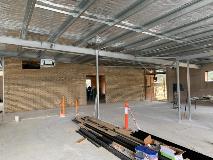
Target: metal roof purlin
(186,8)
(200,55)
(27,17)
(172,14)
(129,11)
(174,31)
(194,39)
(83,6)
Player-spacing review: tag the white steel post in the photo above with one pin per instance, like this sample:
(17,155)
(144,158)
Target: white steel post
(2,62)
(97,87)
(189,90)
(178,89)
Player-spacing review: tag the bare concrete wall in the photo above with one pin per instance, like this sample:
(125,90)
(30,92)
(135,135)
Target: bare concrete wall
(42,88)
(198,85)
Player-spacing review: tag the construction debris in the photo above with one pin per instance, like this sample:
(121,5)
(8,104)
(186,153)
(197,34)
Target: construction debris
(129,145)
(81,140)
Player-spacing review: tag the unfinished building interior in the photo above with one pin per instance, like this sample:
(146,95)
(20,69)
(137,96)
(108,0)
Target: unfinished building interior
(106,79)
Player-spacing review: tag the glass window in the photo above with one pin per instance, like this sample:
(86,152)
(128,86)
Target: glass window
(209,76)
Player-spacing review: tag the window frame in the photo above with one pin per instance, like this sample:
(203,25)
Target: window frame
(207,76)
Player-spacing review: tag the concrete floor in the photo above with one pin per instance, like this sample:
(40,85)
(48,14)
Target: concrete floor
(43,135)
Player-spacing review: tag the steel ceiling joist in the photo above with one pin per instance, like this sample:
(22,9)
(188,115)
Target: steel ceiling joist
(191,52)
(202,44)
(172,32)
(189,7)
(110,23)
(163,62)
(187,52)
(83,6)
(186,8)
(200,55)
(114,39)
(84,51)
(129,11)
(191,41)
(27,17)
(201,34)
(167,45)
(87,59)
(77,58)
(191,25)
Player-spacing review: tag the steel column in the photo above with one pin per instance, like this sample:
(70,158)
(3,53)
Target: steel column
(189,90)
(2,63)
(97,87)
(178,89)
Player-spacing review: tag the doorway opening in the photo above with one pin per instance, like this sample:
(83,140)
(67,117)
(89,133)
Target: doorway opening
(160,89)
(91,88)
(155,86)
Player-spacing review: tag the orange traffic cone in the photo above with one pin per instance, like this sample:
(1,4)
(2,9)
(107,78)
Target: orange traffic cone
(76,106)
(126,118)
(62,107)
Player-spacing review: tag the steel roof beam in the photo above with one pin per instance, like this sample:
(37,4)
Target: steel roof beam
(64,48)
(173,32)
(113,40)
(187,52)
(189,7)
(84,51)
(87,59)
(129,11)
(200,55)
(167,45)
(83,6)
(192,44)
(177,12)
(164,62)
(191,25)
(27,18)
(176,49)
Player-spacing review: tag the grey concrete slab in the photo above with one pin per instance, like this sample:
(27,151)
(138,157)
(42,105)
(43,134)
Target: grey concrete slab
(47,138)
(43,135)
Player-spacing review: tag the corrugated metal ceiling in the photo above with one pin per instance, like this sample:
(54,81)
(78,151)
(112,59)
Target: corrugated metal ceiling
(145,32)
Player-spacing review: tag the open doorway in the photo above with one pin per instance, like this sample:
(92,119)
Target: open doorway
(160,89)
(155,85)
(91,88)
